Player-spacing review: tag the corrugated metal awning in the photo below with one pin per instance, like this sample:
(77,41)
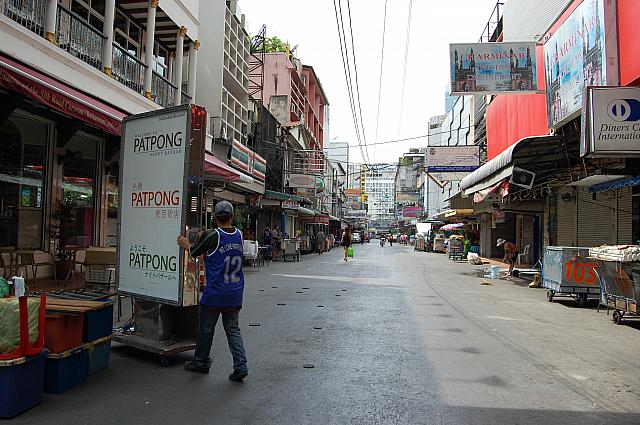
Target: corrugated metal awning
(618,184)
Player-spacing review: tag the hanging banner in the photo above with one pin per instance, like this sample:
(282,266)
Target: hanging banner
(582,52)
(493,68)
(453,158)
(412,211)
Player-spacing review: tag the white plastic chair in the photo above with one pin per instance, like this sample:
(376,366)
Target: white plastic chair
(524,254)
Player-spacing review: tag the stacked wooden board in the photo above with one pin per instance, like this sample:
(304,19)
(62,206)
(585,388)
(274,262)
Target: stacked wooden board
(62,305)
(620,253)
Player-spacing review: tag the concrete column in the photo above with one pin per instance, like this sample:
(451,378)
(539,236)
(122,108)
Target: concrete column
(148,47)
(107,30)
(193,66)
(171,60)
(177,71)
(50,16)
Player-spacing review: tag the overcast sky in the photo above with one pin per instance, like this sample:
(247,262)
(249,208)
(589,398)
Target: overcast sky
(311,25)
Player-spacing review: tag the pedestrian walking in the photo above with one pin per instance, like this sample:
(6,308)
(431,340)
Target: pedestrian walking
(390,240)
(321,240)
(510,253)
(346,241)
(222,296)
(267,241)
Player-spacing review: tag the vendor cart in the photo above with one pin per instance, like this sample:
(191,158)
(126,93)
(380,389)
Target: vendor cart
(620,283)
(421,244)
(291,248)
(438,244)
(569,272)
(455,249)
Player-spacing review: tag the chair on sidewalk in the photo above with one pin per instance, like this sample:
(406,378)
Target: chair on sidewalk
(35,259)
(524,254)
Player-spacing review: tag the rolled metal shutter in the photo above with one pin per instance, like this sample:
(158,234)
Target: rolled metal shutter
(625,216)
(596,218)
(565,218)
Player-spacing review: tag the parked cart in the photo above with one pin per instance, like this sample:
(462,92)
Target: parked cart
(291,249)
(455,249)
(620,288)
(569,272)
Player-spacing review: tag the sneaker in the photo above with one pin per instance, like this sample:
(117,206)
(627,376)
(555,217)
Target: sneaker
(237,376)
(191,366)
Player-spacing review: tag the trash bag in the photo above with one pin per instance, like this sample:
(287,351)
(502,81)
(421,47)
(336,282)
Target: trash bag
(350,252)
(10,323)
(473,258)
(5,289)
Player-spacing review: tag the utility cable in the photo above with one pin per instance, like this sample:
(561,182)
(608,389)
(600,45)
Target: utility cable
(404,71)
(384,30)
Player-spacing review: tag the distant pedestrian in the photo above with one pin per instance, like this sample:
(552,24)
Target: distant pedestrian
(346,241)
(321,240)
(223,293)
(510,253)
(390,240)
(267,240)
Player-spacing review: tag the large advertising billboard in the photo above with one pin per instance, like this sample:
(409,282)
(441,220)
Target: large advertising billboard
(575,56)
(453,158)
(493,68)
(151,208)
(412,211)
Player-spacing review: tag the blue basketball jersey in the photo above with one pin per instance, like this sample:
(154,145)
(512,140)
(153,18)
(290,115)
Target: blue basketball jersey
(225,280)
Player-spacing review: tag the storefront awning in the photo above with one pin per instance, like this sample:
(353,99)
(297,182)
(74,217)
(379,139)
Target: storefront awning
(305,211)
(272,194)
(618,184)
(458,213)
(56,95)
(214,168)
(537,154)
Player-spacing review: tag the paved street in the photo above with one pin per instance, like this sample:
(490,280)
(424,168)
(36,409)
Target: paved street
(406,338)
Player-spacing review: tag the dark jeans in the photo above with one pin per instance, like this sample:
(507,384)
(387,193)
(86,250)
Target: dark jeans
(208,318)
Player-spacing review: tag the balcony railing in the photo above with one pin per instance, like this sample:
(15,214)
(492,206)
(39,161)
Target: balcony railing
(28,13)
(77,37)
(128,69)
(163,91)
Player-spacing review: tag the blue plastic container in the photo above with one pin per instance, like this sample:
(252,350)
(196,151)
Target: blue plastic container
(21,382)
(98,354)
(98,324)
(65,370)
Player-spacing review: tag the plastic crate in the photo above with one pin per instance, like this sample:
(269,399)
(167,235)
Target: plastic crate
(21,382)
(63,332)
(98,323)
(98,353)
(100,274)
(65,370)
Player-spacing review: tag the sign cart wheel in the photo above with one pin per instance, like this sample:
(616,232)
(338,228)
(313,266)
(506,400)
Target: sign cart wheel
(617,317)
(581,299)
(550,295)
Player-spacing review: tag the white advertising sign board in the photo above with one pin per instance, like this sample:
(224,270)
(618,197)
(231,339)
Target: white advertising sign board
(151,205)
(302,181)
(613,121)
(453,158)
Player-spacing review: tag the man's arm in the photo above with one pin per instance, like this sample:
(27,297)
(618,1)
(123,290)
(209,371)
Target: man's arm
(206,243)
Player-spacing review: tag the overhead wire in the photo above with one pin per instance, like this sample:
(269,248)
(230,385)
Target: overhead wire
(384,31)
(347,71)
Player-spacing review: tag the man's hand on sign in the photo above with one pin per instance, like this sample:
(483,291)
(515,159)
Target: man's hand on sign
(183,242)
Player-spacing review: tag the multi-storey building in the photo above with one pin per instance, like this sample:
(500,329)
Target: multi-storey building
(70,71)
(379,189)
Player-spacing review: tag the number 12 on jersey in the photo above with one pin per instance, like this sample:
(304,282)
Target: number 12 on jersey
(232,268)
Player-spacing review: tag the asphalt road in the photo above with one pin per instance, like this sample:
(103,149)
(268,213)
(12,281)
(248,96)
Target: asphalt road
(405,338)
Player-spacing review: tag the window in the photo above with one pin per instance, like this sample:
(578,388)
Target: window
(127,33)
(91,11)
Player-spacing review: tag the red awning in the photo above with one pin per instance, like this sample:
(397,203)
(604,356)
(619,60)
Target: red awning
(214,167)
(22,79)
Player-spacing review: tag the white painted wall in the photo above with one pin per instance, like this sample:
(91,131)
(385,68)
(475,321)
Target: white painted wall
(185,13)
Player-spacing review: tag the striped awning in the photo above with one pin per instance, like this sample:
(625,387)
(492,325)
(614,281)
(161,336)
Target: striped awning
(616,184)
(217,169)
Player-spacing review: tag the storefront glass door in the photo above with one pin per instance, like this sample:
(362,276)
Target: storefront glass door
(23,153)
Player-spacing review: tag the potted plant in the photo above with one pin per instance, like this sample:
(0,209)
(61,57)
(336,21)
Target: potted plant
(62,221)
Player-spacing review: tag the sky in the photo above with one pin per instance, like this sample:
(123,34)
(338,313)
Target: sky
(311,25)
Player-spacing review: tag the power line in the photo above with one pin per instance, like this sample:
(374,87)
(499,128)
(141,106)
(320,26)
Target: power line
(347,71)
(404,71)
(384,30)
(405,139)
(355,69)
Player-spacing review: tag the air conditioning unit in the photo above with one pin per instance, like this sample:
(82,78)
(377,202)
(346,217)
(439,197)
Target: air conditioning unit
(522,177)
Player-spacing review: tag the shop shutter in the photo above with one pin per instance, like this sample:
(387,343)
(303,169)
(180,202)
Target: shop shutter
(596,218)
(565,218)
(625,216)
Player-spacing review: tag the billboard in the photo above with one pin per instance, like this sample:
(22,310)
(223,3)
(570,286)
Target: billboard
(304,181)
(493,68)
(351,213)
(353,193)
(412,211)
(612,121)
(453,158)
(152,184)
(576,56)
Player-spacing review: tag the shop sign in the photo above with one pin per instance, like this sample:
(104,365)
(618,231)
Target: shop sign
(453,158)
(499,217)
(612,121)
(493,68)
(353,213)
(353,193)
(412,211)
(581,53)
(151,212)
(286,204)
(246,160)
(304,181)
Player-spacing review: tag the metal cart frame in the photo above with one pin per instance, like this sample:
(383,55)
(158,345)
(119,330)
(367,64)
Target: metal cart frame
(620,287)
(567,272)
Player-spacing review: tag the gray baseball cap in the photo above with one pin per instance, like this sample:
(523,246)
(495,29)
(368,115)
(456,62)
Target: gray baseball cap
(223,208)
